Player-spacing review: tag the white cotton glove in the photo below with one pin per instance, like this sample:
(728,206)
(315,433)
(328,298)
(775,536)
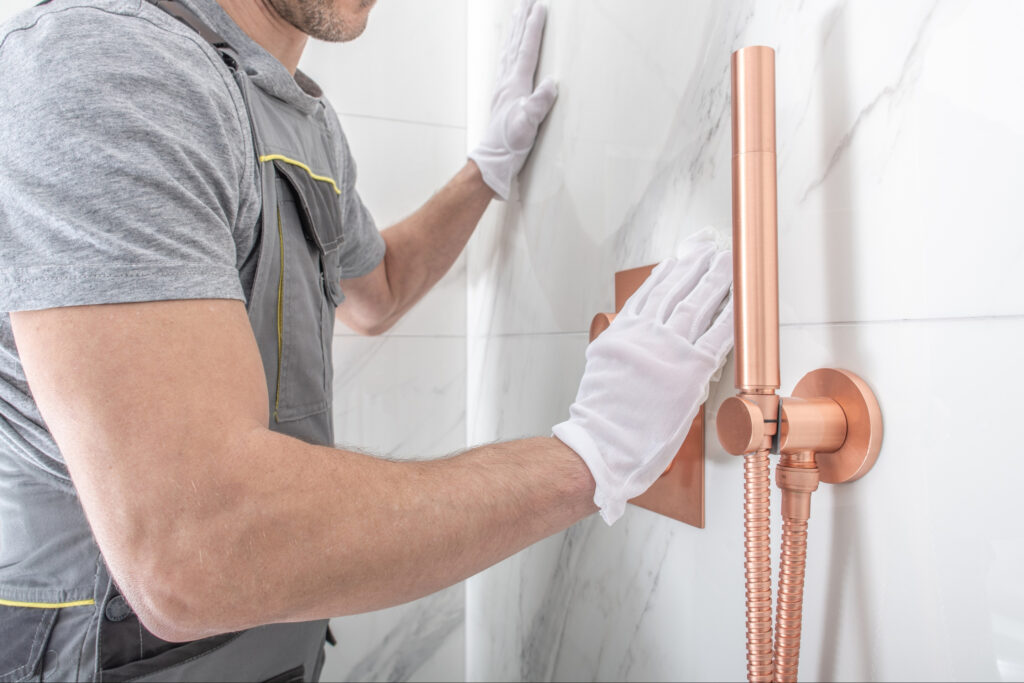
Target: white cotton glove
(516,109)
(648,373)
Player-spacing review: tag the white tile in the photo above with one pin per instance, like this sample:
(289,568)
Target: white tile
(521,386)
(419,641)
(403,397)
(441,312)
(448,661)
(595,195)
(401,165)
(409,64)
(897,160)
(899,177)
(912,571)
(531,589)
(493,645)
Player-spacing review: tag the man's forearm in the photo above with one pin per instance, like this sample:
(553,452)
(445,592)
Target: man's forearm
(422,247)
(316,532)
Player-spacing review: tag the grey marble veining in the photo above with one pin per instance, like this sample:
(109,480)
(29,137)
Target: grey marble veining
(899,142)
(417,635)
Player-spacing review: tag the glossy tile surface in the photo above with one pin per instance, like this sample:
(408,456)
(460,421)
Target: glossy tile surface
(400,91)
(899,252)
(519,386)
(409,64)
(912,570)
(420,641)
(897,152)
(401,165)
(401,397)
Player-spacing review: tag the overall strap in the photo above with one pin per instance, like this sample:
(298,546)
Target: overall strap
(190,19)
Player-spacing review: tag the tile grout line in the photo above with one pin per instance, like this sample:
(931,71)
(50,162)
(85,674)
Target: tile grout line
(399,336)
(410,122)
(886,321)
(837,323)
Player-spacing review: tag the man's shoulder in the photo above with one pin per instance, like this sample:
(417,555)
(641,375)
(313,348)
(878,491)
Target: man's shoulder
(107,19)
(66,37)
(109,67)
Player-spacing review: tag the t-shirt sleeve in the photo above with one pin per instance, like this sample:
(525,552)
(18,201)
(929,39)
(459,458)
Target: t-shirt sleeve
(123,159)
(363,248)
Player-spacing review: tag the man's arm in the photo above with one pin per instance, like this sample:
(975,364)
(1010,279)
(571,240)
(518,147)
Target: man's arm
(210,522)
(420,250)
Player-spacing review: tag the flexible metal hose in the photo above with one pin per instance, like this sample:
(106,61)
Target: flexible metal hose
(791,597)
(757,563)
(798,477)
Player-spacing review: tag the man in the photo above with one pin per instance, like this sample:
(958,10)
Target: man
(178,229)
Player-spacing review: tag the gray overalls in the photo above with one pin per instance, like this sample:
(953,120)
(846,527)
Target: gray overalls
(65,619)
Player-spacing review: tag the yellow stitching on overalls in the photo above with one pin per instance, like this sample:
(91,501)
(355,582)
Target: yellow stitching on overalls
(293,162)
(280,313)
(46,605)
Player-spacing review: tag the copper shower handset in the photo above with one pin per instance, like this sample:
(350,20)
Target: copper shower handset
(829,430)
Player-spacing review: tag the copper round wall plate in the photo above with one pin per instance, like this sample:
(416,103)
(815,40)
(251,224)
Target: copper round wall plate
(863,422)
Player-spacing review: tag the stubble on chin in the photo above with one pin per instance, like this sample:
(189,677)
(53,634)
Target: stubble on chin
(321,20)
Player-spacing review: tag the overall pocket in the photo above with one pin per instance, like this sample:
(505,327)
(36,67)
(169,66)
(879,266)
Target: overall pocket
(24,635)
(274,653)
(309,233)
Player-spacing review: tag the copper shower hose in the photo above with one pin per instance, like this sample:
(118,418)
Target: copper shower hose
(791,596)
(798,478)
(758,563)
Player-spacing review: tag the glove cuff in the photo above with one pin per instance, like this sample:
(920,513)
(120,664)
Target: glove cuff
(576,438)
(485,160)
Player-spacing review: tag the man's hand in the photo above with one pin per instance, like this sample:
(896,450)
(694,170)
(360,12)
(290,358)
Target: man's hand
(648,373)
(421,248)
(517,108)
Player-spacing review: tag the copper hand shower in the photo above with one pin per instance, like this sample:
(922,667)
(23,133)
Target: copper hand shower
(829,430)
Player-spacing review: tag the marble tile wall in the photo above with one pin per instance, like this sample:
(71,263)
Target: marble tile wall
(400,94)
(899,137)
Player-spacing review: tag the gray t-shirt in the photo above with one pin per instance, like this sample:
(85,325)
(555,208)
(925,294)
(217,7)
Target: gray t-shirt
(127,174)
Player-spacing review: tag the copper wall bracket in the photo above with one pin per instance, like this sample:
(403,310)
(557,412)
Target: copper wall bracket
(859,450)
(679,492)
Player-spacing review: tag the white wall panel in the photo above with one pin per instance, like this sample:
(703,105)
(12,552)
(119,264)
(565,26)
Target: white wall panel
(899,252)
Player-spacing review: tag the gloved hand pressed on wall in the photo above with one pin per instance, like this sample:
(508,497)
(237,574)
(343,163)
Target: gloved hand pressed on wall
(648,373)
(517,109)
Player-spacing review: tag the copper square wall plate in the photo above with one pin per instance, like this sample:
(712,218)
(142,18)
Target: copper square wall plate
(679,493)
